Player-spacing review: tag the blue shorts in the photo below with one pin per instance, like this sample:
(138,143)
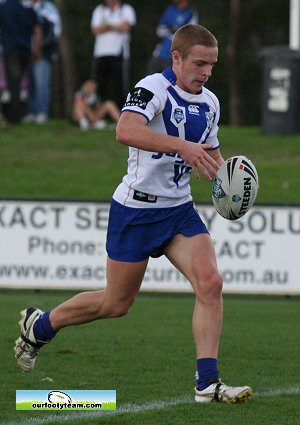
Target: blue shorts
(134,234)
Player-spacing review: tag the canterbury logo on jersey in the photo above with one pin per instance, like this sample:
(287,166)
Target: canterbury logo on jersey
(194,109)
(140,97)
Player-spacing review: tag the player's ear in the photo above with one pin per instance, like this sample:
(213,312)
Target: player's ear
(176,57)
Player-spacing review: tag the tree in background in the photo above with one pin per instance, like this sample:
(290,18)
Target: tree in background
(65,75)
(233,54)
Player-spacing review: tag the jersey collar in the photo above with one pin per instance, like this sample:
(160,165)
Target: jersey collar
(169,74)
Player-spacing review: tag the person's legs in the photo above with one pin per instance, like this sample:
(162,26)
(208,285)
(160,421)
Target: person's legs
(15,64)
(123,283)
(81,111)
(195,258)
(100,73)
(37,328)
(110,109)
(107,70)
(41,75)
(115,81)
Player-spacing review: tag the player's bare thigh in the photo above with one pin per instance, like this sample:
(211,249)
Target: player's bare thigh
(195,257)
(124,279)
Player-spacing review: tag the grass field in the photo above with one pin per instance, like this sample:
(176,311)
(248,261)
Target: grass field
(148,357)
(58,161)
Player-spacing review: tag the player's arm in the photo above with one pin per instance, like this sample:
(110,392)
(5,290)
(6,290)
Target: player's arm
(37,40)
(132,130)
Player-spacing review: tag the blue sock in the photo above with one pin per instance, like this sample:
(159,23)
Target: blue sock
(207,370)
(42,328)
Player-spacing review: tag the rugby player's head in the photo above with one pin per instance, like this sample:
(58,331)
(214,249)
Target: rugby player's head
(190,35)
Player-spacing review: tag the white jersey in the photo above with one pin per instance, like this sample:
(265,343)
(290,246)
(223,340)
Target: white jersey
(153,179)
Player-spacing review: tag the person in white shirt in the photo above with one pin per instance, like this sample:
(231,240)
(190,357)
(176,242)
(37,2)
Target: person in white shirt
(170,123)
(111,25)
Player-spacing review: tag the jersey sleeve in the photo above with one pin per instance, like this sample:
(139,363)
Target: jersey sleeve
(146,98)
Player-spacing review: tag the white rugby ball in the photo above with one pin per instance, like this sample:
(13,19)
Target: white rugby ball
(235,187)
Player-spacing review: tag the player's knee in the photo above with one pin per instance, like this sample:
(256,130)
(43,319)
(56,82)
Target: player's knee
(215,284)
(210,288)
(120,308)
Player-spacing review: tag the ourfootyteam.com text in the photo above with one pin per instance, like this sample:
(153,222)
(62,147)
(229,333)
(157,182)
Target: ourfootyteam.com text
(88,273)
(66,406)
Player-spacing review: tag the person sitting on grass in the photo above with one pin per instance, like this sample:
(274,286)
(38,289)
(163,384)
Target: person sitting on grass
(88,109)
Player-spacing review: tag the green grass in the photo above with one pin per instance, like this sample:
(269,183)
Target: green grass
(148,356)
(58,161)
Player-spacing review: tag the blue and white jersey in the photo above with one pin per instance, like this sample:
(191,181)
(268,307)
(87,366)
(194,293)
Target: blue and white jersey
(156,179)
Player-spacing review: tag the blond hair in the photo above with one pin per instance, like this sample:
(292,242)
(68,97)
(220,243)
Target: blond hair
(190,35)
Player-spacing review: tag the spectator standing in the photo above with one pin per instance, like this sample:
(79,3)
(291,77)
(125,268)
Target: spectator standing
(21,38)
(88,109)
(176,15)
(111,24)
(41,68)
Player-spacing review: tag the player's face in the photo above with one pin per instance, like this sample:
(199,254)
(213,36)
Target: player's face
(193,71)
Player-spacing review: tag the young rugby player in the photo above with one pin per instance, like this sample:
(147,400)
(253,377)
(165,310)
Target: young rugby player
(170,123)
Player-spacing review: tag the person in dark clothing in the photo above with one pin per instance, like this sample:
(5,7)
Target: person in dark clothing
(21,37)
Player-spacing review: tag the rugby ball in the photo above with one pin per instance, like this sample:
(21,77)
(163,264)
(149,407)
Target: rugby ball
(59,397)
(235,187)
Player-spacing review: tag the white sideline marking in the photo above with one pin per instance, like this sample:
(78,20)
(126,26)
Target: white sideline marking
(278,392)
(137,408)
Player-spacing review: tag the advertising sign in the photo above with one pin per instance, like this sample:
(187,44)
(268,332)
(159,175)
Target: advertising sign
(62,245)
